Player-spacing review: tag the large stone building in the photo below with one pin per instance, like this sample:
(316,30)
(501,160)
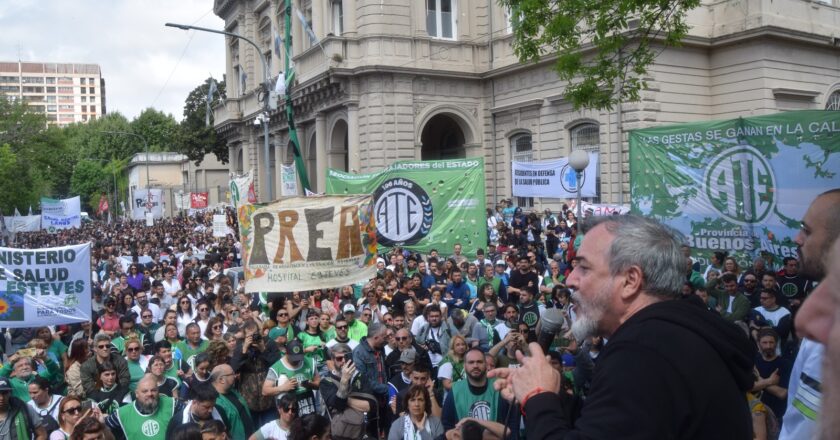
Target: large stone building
(410,79)
(64,92)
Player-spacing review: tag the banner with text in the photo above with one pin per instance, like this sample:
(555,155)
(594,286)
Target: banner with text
(61,214)
(288,180)
(242,189)
(23,223)
(45,286)
(739,185)
(553,179)
(602,209)
(147,200)
(198,200)
(426,205)
(306,243)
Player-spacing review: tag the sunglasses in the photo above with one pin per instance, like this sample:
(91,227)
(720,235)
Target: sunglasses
(341,327)
(282,314)
(73,410)
(103,346)
(203,309)
(216,327)
(147,316)
(290,410)
(338,358)
(185,302)
(132,349)
(401,338)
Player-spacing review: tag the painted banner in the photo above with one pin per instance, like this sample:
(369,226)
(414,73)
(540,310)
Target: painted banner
(740,185)
(103,204)
(288,180)
(242,189)
(23,223)
(61,214)
(45,286)
(306,243)
(198,200)
(182,200)
(553,179)
(147,200)
(426,205)
(220,227)
(602,209)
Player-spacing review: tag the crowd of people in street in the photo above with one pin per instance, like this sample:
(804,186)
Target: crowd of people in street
(539,334)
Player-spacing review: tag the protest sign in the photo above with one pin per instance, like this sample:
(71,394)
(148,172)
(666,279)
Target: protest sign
(288,180)
(44,286)
(147,200)
(602,209)
(220,227)
(23,223)
(198,200)
(242,189)
(61,214)
(738,185)
(426,205)
(553,178)
(305,243)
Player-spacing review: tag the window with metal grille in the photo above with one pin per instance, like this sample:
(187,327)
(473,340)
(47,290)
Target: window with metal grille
(587,137)
(833,101)
(521,150)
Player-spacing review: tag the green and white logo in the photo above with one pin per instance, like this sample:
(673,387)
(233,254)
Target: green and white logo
(150,428)
(740,185)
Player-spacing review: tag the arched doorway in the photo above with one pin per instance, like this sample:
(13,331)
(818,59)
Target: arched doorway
(338,146)
(442,138)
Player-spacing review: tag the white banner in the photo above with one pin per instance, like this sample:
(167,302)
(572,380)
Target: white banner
(242,189)
(61,214)
(288,180)
(23,223)
(182,200)
(553,179)
(147,200)
(220,227)
(602,209)
(44,286)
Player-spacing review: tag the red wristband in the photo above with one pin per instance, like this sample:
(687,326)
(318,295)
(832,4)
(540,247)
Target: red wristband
(532,393)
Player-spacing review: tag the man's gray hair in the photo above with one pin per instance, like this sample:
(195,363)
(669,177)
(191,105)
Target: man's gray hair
(648,244)
(375,329)
(101,337)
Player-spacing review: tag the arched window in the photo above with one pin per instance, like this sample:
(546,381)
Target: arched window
(833,101)
(587,137)
(521,150)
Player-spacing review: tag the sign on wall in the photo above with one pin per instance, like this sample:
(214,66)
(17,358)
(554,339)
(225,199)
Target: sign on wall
(739,185)
(242,189)
(306,243)
(45,286)
(553,178)
(198,200)
(423,205)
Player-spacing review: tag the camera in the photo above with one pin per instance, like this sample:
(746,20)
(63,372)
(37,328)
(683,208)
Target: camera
(433,346)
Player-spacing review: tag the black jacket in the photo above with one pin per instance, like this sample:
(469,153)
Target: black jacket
(672,371)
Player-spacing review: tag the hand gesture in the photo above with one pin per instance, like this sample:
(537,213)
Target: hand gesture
(535,371)
(348,370)
(774,377)
(291,385)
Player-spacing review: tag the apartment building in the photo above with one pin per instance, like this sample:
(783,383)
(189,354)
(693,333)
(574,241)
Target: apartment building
(64,92)
(412,80)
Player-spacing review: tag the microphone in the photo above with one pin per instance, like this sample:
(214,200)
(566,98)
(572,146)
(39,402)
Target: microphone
(551,323)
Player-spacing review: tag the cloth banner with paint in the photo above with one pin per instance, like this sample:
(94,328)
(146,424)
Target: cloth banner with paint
(740,185)
(242,189)
(198,200)
(147,199)
(553,178)
(48,286)
(23,223)
(423,205)
(602,209)
(288,180)
(61,214)
(306,243)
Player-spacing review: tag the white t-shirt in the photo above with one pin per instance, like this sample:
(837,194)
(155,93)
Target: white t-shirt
(272,430)
(156,316)
(804,392)
(171,288)
(773,317)
(51,409)
(445,371)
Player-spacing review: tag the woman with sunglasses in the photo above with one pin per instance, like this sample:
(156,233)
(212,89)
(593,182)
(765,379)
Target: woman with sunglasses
(135,278)
(137,361)
(69,413)
(215,329)
(186,314)
(279,429)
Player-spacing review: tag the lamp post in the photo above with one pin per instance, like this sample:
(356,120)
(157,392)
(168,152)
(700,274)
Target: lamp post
(579,160)
(146,144)
(266,90)
(114,173)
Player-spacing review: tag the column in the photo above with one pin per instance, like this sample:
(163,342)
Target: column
(320,153)
(318,13)
(349,11)
(353,160)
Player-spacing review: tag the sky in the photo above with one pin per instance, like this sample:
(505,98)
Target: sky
(144,64)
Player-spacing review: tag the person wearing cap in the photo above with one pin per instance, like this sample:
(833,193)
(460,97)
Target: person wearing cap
(109,322)
(18,421)
(356,329)
(402,380)
(294,373)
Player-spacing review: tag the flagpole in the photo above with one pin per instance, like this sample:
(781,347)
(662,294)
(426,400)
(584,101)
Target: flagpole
(290,111)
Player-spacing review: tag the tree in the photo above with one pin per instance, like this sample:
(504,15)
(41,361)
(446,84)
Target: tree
(195,137)
(159,129)
(89,180)
(621,32)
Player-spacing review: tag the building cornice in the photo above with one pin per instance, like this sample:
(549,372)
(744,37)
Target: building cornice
(521,105)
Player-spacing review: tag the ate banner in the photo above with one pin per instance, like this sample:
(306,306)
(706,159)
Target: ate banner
(306,243)
(44,286)
(198,200)
(426,205)
(739,185)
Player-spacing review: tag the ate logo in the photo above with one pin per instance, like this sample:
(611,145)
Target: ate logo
(740,185)
(480,410)
(404,213)
(150,428)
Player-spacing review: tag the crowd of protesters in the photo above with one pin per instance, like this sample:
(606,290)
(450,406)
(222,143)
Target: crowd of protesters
(175,346)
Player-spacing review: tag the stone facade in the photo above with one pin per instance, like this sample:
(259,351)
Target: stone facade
(390,82)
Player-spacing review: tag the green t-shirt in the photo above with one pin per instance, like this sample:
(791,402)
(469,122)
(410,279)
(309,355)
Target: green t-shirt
(357,330)
(309,340)
(189,353)
(153,427)
(482,407)
(136,370)
(306,371)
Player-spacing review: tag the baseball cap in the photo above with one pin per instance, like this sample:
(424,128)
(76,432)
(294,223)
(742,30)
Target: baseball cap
(408,356)
(501,263)
(4,384)
(348,308)
(294,350)
(276,332)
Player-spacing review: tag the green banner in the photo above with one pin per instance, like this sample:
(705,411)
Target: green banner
(741,185)
(423,205)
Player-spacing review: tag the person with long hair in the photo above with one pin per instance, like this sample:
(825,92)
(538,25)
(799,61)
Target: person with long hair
(417,423)
(125,303)
(186,314)
(79,351)
(486,295)
(108,395)
(310,427)
(90,428)
(452,365)
(215,329)
(166,385)
(203,316)
(312,338)
(69,413)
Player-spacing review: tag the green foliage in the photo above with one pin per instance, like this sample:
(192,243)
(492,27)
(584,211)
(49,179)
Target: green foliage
(158,128)
(621,32)
(195,138)
(89,180)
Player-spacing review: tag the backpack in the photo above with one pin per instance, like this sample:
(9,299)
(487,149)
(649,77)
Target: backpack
(350,423)
(251,389)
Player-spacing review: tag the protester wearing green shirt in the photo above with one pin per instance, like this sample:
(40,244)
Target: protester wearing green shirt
(356,329)
(26,368)
(230,403)
(193,345)
(312,339)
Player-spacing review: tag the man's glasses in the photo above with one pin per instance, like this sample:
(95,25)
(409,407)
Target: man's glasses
(203,309)
(283,314)
(147,316)
(341,327)
(401,338)
(290,409)
(338,358)
(103,347)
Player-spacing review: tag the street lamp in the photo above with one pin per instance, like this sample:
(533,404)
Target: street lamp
(146,144)
(266,100)
(579,160)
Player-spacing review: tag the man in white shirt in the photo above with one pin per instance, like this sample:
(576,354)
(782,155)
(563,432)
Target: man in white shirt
(143,303)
